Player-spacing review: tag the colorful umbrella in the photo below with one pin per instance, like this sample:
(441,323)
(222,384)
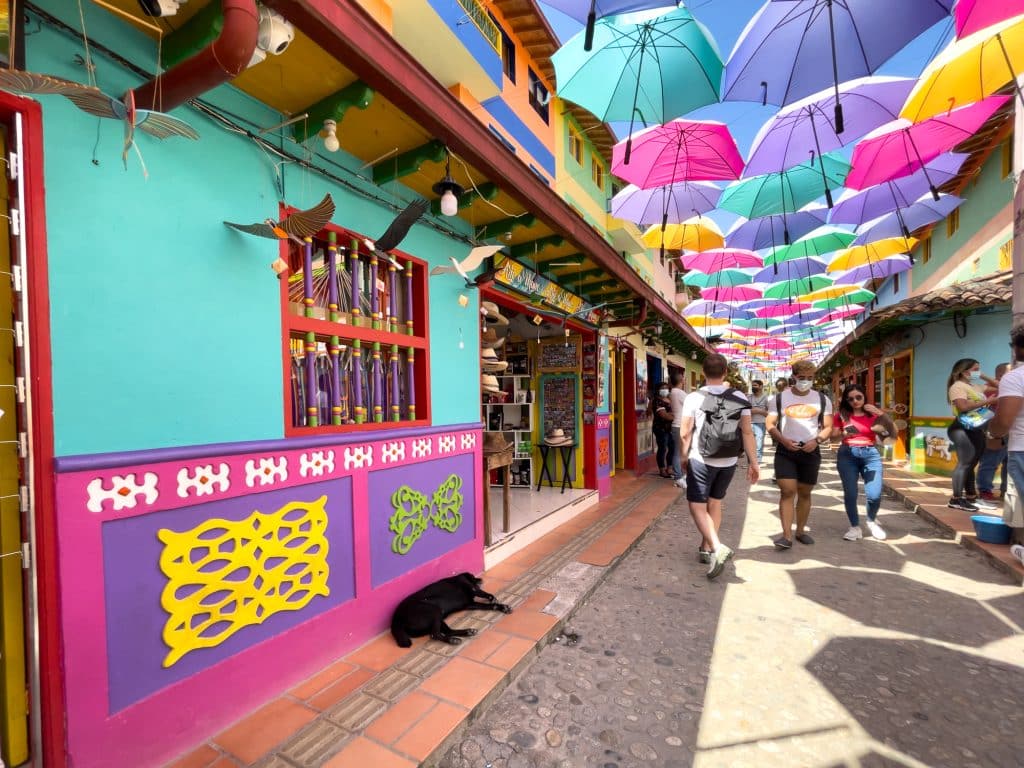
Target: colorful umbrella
(858,207)
(792,288)
(875,270)
(968,70)
(696,234)
(703,321)
(711,309)
(731,293)
(832,292)
(676,201)
(842,314)
(869,252)
(855,300)
(588,11)
(636,65)
(783,310)
(721,258)
(756,323)
(784,192)
(771,231)
(723,277)
(788,138)
(793,48)
(679,150)
(790,270)
(903,221)
(824,239)
(975,15)
(900,148)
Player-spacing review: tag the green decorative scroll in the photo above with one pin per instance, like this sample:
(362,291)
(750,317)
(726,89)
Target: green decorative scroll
(410,520)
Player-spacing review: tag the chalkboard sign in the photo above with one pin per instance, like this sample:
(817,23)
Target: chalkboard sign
(559,406)
(559,355)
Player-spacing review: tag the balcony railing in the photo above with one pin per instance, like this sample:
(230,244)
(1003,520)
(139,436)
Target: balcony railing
(478,13)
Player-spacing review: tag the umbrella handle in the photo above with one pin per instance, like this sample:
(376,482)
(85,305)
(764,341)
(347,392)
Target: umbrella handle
(588,36)
(629,151)
(839,120)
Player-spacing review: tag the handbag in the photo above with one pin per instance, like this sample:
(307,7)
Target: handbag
(976,418)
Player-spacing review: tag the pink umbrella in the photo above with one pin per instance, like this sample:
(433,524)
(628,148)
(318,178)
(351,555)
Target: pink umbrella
(899,148)
(974,15)
(731,293)
(782,310)
(842,314)
(774,344)
(722,258)
(679,150)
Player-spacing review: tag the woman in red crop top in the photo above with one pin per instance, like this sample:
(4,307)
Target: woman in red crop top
(858,424)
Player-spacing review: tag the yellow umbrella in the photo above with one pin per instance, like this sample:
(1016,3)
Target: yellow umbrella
(696,234)
(700,321)
(832,292)
(869,253)
(968,70)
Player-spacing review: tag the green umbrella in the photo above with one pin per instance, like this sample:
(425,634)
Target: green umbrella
(790,288)
(857,297)
(649,64)
(760,323)
(721,278)
(824,239)
(786,192)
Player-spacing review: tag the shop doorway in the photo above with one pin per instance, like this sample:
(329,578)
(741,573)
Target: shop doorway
(896,391)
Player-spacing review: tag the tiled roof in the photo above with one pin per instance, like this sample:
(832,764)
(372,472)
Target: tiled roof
(985,291)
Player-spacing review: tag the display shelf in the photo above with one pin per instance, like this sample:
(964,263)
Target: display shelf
(513,417)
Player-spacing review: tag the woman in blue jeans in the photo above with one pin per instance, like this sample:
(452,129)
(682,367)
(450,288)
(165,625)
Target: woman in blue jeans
(859,424)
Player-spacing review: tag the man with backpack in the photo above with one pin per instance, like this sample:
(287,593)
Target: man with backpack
(715,431)
(800,421)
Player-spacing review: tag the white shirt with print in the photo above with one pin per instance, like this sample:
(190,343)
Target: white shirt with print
(1012,385)
(799,420)
(692,408)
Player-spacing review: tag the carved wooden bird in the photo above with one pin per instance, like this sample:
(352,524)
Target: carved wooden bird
(96,102)
(396,231)
(473,260)
(296,226)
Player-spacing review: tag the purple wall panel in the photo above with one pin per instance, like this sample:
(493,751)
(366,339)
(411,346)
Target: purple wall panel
(133,583)
(423,478)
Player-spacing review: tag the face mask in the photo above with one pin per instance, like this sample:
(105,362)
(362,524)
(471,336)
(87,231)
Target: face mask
(975,377)
(802,385)
(663,392)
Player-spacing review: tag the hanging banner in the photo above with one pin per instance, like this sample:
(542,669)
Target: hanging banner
(527,282)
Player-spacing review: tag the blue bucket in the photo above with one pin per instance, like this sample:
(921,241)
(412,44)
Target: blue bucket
(991,529)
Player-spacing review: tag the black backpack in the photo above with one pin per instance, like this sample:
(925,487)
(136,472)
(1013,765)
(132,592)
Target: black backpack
(720,437)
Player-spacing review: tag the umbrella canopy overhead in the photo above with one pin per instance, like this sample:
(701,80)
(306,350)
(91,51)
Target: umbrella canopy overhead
(824,239)
(793,48)
(875,270)
(778,193)
(901,147)
(902,222)
(676,201)
(635,66)
(722,258)
(770,231)
(968,70)
(723,277)
(679,150)
(787,289)
(790,270)
(865,254)
(975,15)
(788,138)
(695,234)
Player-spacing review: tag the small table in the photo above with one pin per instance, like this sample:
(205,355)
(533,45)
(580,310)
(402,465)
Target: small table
(566,453)
(496,460)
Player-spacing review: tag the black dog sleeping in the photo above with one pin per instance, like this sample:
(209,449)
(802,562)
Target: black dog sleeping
(424,612)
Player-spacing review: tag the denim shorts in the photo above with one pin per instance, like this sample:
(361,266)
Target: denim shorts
(704,482)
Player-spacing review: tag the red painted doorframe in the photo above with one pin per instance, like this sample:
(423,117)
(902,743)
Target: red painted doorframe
(628,361)
(51,705)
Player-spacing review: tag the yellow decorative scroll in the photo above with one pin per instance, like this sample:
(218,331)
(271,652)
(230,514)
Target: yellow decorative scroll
(224,575)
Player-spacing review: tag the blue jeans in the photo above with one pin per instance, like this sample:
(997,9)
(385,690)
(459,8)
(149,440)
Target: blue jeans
(991,460)
(853,464)
(677,455)
(1015,468)
(758,438)
(666,449)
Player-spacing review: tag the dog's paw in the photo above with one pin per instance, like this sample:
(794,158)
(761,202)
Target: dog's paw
(470,632)
(404,643)
(453,640)
(505,608)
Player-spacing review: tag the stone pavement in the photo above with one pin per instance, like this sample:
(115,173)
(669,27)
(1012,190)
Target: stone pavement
(904,652)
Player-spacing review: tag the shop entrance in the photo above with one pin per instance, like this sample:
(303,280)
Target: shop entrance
(896,398)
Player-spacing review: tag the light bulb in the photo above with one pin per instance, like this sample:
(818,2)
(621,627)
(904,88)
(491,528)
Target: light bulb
(449,203)
(330,136)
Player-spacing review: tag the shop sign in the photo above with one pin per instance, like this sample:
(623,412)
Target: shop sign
(526,281)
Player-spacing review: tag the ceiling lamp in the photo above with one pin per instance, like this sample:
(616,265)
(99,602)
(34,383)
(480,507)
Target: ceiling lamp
(449,189)
(329,134)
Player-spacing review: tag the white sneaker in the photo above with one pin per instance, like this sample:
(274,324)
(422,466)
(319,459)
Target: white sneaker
(1017,551)
(853,534)
(681,482)
(876,530)
(983,504)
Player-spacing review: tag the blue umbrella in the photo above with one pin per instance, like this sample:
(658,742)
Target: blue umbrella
(793,48)
(769,231)
(795,269)
(589,11)
(903,221)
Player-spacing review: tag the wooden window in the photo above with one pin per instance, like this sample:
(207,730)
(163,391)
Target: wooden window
(575,144)
(926,250)
(896,283)
(1006,156)
(508,52)
(356,354)
(539,95)
(597,173)
(953,223)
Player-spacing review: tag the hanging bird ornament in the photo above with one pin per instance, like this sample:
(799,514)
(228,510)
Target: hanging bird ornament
(295,226)
(95,102)
(471,262)
(396,232)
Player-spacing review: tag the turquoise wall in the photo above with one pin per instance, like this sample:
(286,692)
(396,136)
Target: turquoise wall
(166,325)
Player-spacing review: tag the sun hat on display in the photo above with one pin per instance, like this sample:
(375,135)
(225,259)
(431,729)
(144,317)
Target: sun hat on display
(489,361)
(557,437)
(492,314)
(489,338)
(489,383)
(495,442)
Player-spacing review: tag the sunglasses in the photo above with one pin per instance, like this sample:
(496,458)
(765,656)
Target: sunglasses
(855,398)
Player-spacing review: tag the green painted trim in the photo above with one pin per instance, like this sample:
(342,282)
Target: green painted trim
(408,162)
(197,33)
(535,246)
(500,227)
(333,107)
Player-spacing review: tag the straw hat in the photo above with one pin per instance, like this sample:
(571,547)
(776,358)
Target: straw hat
(557,437)
(495,442)
(492,314)
(489,383)
(489,338)
(489,361)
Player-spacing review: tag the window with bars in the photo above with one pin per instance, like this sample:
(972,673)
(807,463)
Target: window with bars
(355,336)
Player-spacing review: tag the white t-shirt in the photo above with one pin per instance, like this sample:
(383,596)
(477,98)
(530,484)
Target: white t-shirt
(1012,385)
(692,408)
(676,397)
(799,420)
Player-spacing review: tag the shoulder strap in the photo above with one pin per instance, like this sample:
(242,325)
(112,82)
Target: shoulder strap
(821,412)
(778,410)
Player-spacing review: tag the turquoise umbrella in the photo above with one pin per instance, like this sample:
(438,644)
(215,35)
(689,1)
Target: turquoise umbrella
(824,239)
(791,288)
(722,277)
(786,192)
(650,64)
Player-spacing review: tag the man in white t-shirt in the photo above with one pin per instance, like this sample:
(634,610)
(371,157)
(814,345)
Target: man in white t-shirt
(1009,418)
(708,477)
(676,397)
(805,422)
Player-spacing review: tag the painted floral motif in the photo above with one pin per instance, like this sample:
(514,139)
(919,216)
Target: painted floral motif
(421,447)
(392,452)
(267,471)
(446,444)
(468,441)
(603,453)
(123,492)
(358,456)
(410,520)
(202,480)
(315,463)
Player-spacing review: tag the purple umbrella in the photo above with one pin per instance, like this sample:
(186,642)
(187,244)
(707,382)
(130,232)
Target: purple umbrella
(769,231)
(875,270)
(903,221)
(795,269)
(790,48)
(788,138)
(677,201)
(858,207)
(589,11)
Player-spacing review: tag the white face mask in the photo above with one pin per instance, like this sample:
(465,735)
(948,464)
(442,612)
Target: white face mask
(803,385)
(663,392)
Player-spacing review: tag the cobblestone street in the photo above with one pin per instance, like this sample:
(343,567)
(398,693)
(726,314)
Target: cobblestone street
(904,652)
